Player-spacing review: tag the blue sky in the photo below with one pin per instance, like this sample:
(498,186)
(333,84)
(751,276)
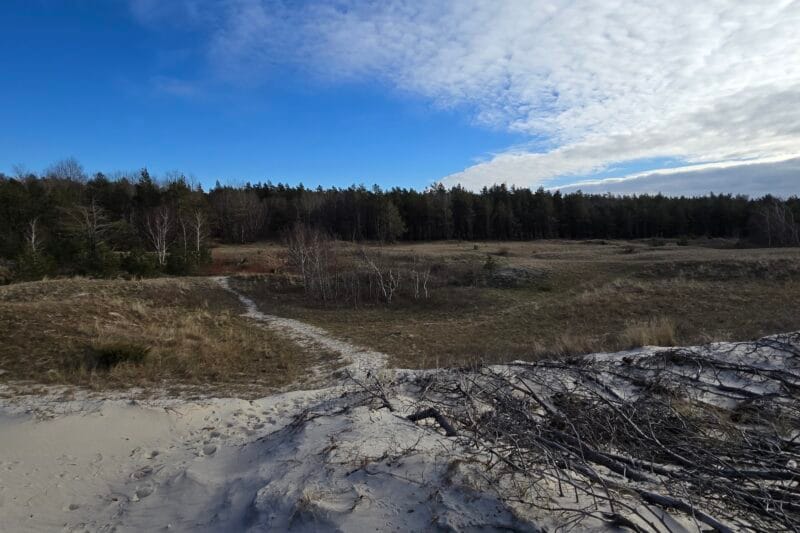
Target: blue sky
(405,93)
(86,79)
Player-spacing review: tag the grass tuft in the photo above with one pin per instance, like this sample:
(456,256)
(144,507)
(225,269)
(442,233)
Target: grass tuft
(656,331)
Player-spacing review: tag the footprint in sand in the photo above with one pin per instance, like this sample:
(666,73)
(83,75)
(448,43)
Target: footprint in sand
(142,492)
(142,473)
(209,449)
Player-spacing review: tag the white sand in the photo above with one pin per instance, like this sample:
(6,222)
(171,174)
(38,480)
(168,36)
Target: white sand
(231,465)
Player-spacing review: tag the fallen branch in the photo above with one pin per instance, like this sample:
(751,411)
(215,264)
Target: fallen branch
(448,428)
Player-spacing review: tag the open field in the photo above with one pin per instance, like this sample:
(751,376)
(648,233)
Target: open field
(578,297)
(573,298)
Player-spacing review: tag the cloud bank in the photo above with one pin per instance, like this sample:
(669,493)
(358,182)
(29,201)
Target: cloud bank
(781,178)
(594,82)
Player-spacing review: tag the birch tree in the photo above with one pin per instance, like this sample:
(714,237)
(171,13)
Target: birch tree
(158,228)
(89,222)
(33,238)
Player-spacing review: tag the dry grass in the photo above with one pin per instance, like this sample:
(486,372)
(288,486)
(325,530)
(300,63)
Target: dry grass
(586,297)
(246,258)
(189,330)
(658,331)
(592,296)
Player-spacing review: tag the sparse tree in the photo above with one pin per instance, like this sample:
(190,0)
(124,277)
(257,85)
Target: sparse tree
(199,226)
(774,224)
(241,214)
(33,237)
(387,279)
(89,222)
(66,169)
(158,227)
(421,275)
(311,252)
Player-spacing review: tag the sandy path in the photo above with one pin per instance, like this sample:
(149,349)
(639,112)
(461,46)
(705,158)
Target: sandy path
(362,360)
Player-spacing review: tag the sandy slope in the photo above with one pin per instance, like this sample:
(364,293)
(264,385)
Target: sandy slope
(305,461)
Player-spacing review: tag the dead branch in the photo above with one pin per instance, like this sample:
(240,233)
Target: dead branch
(448,428)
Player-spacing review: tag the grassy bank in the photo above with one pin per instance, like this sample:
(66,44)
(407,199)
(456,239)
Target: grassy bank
(183,332)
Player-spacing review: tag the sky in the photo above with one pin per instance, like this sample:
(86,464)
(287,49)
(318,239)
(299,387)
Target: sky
(622,96)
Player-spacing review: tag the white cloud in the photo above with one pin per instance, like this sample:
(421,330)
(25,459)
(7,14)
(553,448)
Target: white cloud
(779,178)
(604,81)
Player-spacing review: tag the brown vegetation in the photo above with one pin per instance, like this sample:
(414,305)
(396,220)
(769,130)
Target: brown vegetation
(167,332)
(453,304)
(571,298)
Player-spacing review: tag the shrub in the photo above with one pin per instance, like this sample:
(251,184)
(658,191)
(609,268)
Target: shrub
(490,265)
(100,262)
(104,357)
(139,263)
(32,266)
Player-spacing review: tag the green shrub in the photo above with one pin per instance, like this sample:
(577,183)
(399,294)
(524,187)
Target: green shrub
(32,266)
(100,262)
(138,263)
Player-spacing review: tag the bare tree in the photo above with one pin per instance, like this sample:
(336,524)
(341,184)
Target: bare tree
(20,171)
(199,225)
(387,278)
(306,204)
(158,227)
(421,275)
(33,237)
(184,225)
(89,222)
(194,230)
(775,224)
(311,252)
(68,169)
(241,214)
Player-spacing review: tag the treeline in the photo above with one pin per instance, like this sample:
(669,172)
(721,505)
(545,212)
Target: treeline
(64,222)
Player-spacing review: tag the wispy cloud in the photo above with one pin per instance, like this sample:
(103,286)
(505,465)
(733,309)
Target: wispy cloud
(603,81)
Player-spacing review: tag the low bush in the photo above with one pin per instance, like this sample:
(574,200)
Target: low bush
(139,264)
(104,357)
